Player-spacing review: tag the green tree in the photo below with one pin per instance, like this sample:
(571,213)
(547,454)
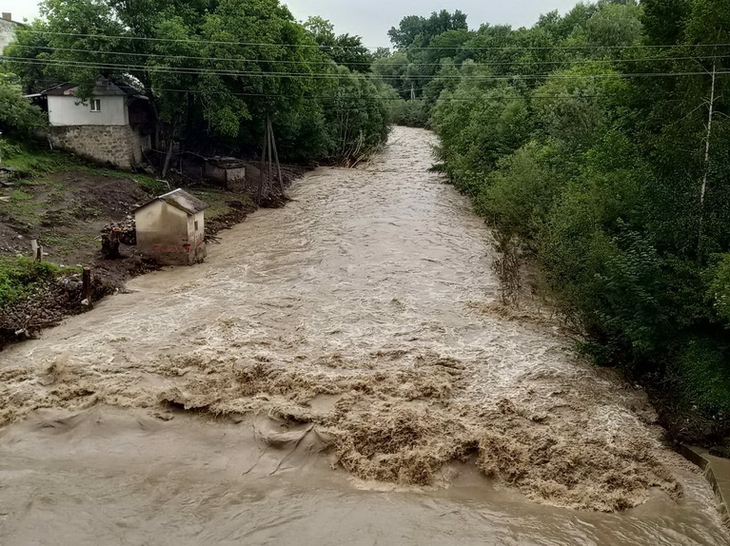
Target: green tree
(19,119)
(344,50)
(419,31)
(664,20)
(215,70)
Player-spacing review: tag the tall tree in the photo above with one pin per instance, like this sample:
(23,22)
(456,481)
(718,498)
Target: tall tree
(344,50)
(419,31)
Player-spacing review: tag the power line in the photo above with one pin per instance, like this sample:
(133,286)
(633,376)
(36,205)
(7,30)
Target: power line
(336,76)
(413,48)
(360,63)
(353,97)
(334,98)
(378,97)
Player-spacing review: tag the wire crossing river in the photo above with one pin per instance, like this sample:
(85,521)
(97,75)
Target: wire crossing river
(338,372)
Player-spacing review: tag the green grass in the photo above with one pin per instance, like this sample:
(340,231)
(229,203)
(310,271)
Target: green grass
(22,207)
(34,162)
(35,187)
(216,203)
(148,183)
(20,276)
(65,245)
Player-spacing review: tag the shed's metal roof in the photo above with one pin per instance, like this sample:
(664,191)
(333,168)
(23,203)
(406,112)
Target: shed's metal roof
(180,199)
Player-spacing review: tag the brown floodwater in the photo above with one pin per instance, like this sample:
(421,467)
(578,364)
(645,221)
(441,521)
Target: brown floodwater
(338,371)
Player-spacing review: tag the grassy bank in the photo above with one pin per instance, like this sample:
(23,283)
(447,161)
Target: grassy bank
(20,277)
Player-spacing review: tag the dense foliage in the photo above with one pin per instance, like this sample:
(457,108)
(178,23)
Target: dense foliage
(18,117)
(215,70)
(599,142)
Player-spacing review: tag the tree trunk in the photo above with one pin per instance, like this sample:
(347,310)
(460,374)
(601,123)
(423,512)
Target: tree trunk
(168,156)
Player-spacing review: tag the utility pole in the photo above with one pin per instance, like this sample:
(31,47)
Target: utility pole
(703,191)
(272,145)
(709,134)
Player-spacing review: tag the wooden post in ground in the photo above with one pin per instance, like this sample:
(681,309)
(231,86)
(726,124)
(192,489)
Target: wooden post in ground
(276,158)
(269,161)
(263,166)
(114,237)
(34,249)
(86,286)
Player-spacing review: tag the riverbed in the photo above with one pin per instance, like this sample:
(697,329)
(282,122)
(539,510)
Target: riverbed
(339,370)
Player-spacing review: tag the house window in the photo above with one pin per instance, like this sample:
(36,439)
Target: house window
(96,105)
(196,225)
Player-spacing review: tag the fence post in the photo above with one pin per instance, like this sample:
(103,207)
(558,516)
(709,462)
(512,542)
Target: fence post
(86,287)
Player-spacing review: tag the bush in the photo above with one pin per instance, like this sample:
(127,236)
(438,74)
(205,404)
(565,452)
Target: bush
(720,288)
(410,113)
(357,117)
(19,119)
(701,375)
(518,196)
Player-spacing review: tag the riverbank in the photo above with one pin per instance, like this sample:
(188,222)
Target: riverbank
(63,204)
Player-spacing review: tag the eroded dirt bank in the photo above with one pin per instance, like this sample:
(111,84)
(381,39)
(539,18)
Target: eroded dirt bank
(363,311)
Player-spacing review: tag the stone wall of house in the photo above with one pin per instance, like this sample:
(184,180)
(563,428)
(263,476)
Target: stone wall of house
(119,145)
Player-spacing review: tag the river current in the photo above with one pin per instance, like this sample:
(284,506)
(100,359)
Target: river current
(338,371)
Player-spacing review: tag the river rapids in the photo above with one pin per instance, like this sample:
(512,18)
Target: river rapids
(338,371)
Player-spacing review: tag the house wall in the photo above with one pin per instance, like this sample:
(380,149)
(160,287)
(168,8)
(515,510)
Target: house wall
(67,111)
(168,234)
(7,33)
(196,237)
(119,145)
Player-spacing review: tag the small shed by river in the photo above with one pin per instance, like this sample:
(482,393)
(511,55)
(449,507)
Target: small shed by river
(230,172)
(171,228)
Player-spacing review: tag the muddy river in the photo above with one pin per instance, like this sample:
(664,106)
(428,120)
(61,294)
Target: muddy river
(338,371)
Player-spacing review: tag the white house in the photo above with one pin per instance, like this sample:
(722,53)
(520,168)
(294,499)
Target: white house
(113,125)
(7,30)
(171,228)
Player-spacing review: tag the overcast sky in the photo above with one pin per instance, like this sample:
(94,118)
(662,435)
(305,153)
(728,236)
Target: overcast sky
(371,19)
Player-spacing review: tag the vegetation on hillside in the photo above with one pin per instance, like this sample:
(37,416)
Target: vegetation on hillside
(598,143)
